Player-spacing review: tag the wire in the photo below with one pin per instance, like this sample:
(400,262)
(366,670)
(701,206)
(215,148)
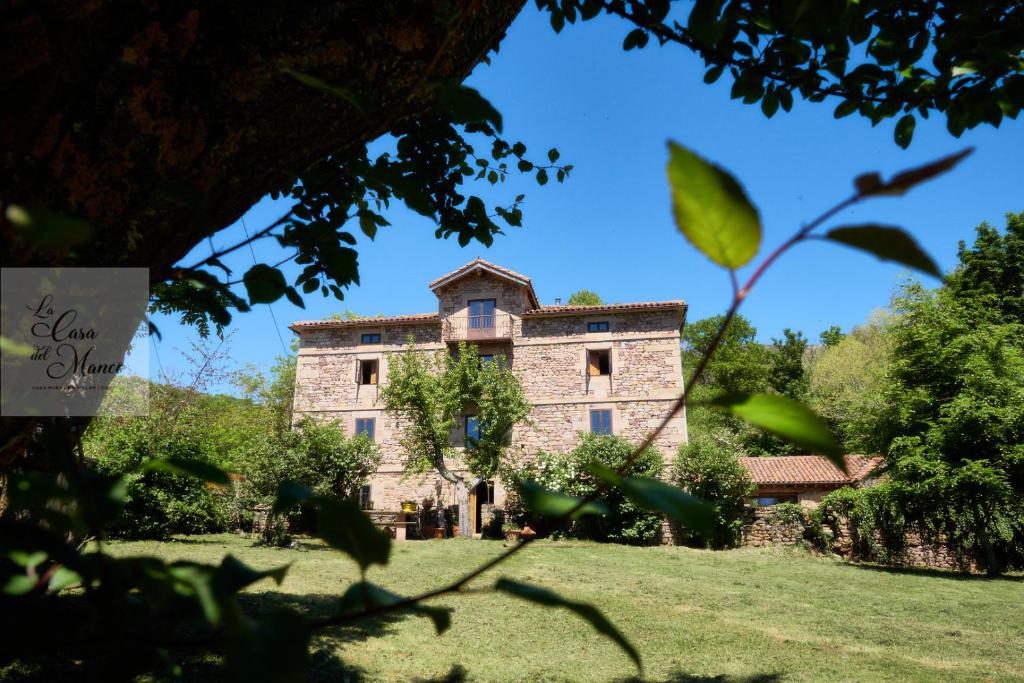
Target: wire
(277,327)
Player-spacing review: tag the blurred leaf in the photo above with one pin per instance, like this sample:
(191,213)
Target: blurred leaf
(540,500)
(657,496)
(357,101)
(703,21)
(587,612)
(264,284)
(347,528)
(787,419)
(887,243)
(189,468)
(17,584)
(712,210)
(274,647)
(46,229)
(871,184)
(368,596)
(466,105)
(14,348)
(62,578)
(233,575)
(289,494)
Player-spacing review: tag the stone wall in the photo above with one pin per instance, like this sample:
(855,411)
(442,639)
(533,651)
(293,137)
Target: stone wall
(764,527)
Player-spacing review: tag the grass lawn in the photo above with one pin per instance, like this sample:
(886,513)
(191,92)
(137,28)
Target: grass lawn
(743,615)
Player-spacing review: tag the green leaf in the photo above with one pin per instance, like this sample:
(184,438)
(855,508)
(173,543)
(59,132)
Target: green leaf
(712,210)
(636,38)
(845,108)
(274,647)
(785,98)
(294,297)
(188,468)
(553,155)
(62,578)
(540,500)
(233,575)
(542,177)
(904,130)
(657,496)
(787,419)
(703,21)
(466,105)
(352,98)
(887,243)
(587,612)
(264,284)
(770,104)
(46,229)
(713,74)
(368,596)
(346,528)
(289,494)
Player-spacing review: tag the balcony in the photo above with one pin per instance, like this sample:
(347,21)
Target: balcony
(476,328)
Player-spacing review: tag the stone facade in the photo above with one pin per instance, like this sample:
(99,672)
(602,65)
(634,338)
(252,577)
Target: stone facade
(547,348)
(763,528)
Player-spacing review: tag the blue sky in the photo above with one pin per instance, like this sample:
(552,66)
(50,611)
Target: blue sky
(609,227)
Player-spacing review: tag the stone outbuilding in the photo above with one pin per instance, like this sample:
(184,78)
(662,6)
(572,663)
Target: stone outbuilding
(612,368)
(805,479)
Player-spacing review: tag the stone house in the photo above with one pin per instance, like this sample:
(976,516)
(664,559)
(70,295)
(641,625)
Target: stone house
(805,479)
(611,369)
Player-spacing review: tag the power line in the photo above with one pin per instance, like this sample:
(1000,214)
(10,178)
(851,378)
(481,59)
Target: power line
(277,327)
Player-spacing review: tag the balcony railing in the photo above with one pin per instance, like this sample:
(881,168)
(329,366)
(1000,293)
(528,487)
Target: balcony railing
(477,327)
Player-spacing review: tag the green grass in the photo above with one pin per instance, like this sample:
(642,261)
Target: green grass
(745,615)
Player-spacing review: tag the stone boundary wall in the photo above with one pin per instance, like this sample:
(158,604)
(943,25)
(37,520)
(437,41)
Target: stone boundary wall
(763,527)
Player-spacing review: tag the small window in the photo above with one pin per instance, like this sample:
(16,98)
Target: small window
(601,421)
(367,426)
(599,362)
(598,326)
(365,498)
(368,372)
(486,358)
(472,430)
(765,501)
(370,338)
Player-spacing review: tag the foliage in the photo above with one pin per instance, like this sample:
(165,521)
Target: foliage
(788,513)
(868,58)
(709,470)
(847,381)
(570,474)
(584,297)
(159,504)
(429,393)
(832,336)
(787,375)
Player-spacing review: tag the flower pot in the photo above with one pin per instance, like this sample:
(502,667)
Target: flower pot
(527,533)
(408,506)
(455,531)
(512,535)
(427,531)
(438,532)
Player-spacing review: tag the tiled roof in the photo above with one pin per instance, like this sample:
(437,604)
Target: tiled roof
(480,264)
(603,308)
(365,322)
(808,469)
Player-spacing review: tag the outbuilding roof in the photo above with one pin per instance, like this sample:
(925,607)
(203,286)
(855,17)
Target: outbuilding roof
(795,470)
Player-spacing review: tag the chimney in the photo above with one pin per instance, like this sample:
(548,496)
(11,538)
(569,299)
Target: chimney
(558,302)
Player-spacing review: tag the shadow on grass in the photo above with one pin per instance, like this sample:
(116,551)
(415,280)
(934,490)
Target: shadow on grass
(934,573)
(681,677)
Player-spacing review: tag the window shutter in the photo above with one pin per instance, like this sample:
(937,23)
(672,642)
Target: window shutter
(593,364)
(359,369)
(373,373)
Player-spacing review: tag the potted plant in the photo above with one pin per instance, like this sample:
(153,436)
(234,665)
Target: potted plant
(511,531)
(408,506)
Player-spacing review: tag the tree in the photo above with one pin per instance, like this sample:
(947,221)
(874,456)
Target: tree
(787,375)
(847,382)
(427,394)
(832,336)
(709,469)
(584,297)
(956,400)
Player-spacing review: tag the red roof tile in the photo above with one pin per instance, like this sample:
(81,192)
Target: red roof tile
(365,322)
(808,469)
(606,308)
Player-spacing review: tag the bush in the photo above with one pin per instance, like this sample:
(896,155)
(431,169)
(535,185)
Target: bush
(710,470)
(567,473)
(787,513)
(160,504)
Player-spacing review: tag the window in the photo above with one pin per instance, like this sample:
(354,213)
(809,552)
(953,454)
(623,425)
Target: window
(601,421)
(486,358)
(370,338)
(481,313)
(366,425)
(365,499)
(598,326)
(765,501)
(368,371)
(599,362)
(472,430)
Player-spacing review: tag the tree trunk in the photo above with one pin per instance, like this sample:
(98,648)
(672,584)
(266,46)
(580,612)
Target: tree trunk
(462,498)
(162,123)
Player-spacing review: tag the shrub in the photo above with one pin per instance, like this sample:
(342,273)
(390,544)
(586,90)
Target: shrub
(787,513)
(709,470)
(567,473)
(160,504)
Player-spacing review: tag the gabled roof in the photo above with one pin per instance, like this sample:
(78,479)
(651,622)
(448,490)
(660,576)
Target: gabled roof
(606,308)
(479,265)
(364,322)
(795,470)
